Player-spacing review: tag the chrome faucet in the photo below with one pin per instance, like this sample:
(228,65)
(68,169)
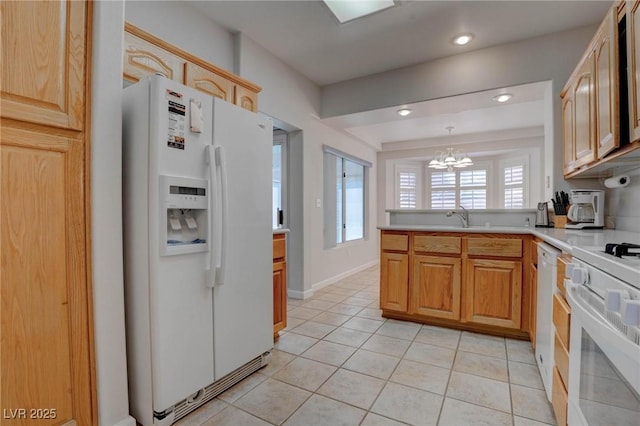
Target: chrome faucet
(464,216)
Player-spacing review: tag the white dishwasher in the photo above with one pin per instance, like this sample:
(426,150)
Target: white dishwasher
(547,272)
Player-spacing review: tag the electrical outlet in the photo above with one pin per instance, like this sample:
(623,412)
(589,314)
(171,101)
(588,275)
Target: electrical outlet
(318,202)
(610,222)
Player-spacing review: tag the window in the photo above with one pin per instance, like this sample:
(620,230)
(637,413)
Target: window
(466,188)
(278,187)
(407,187)
(514,183)
(345,197)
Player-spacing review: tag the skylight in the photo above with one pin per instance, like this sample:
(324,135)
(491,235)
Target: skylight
(348,10)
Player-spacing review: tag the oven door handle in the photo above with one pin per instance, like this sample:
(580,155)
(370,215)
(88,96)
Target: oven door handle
(597,324)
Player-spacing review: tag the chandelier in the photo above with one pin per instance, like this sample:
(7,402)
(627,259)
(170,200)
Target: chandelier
(450,158)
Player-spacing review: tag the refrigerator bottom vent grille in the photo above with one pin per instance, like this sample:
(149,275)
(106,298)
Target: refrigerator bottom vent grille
(216,388)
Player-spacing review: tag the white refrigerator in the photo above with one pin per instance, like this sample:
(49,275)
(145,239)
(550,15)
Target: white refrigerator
(197,244)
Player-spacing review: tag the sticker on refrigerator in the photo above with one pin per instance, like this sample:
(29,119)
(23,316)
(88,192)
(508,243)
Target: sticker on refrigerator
(176,124)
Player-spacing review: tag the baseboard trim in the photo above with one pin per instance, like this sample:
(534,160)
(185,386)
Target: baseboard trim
(295,294)
(336,278)
(129,421)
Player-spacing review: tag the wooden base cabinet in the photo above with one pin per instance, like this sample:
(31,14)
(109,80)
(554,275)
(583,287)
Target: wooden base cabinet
(493,292)
(435,286)
(394,281)
(279,284)
(468,281)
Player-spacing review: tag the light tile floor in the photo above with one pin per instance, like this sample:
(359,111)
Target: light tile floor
(340,363)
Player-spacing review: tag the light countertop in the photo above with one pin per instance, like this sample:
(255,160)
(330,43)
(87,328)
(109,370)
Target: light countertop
(563,239)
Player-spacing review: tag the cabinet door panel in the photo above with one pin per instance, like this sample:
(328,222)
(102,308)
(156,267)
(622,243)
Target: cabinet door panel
(142,58)
(493,292)
(208,82)
(607,85)
(43,66)
(46,338)
(279,296)
(394,281)
(633,64)
(568,135)
(584,114)
(435,287)
(246,99)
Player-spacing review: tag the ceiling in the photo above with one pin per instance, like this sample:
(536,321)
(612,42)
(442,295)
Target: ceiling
(306,36)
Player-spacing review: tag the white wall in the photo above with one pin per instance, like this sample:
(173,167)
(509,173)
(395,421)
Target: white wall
(623,204)
(106,215)
(547,58)
(290,97)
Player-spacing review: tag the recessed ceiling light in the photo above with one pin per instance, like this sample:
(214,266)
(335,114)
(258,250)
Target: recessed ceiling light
(404,111)
(503,97)
(346,11)
(463,39)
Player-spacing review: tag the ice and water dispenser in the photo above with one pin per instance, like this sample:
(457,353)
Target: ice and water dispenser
(183,215)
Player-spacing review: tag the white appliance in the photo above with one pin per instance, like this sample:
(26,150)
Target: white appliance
(197,232)
(586,210)
(604,366)
(547,274)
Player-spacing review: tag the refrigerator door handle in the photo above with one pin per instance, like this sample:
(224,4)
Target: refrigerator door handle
(220,267)
(213,188)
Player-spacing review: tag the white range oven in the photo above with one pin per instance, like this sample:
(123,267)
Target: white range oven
(604,368)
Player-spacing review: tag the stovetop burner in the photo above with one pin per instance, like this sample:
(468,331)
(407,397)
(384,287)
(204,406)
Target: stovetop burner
(622,249)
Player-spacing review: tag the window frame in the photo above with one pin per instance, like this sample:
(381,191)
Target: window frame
(330,182)
(478,165)
(526,178)
(281,138)
(399,169)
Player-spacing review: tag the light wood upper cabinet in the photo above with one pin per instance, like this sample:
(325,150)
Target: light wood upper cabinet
(633,67)
(45,284)
(568,136)
(208,82)
(606,61)
(584,146)
(146,54)
(142,58)
(493,292)
(43,62)
(246,99)
(435,286)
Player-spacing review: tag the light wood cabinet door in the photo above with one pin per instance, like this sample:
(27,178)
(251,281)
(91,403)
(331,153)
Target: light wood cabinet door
(46,359)
(279,297)
(606,85)
(246,99)
(568,134)
(142,58)
(633,68)
(435,286)
(493,293)
(45,315)
(559,398)
(394,281)
(43,62)
(208,82)
(584,147)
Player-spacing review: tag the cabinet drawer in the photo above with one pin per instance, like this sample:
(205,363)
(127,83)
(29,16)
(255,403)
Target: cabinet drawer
(430,243)
(561,358)
(562,319)
(562,270)
(559,398)
(279,246)
(500,247)
(397,242)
